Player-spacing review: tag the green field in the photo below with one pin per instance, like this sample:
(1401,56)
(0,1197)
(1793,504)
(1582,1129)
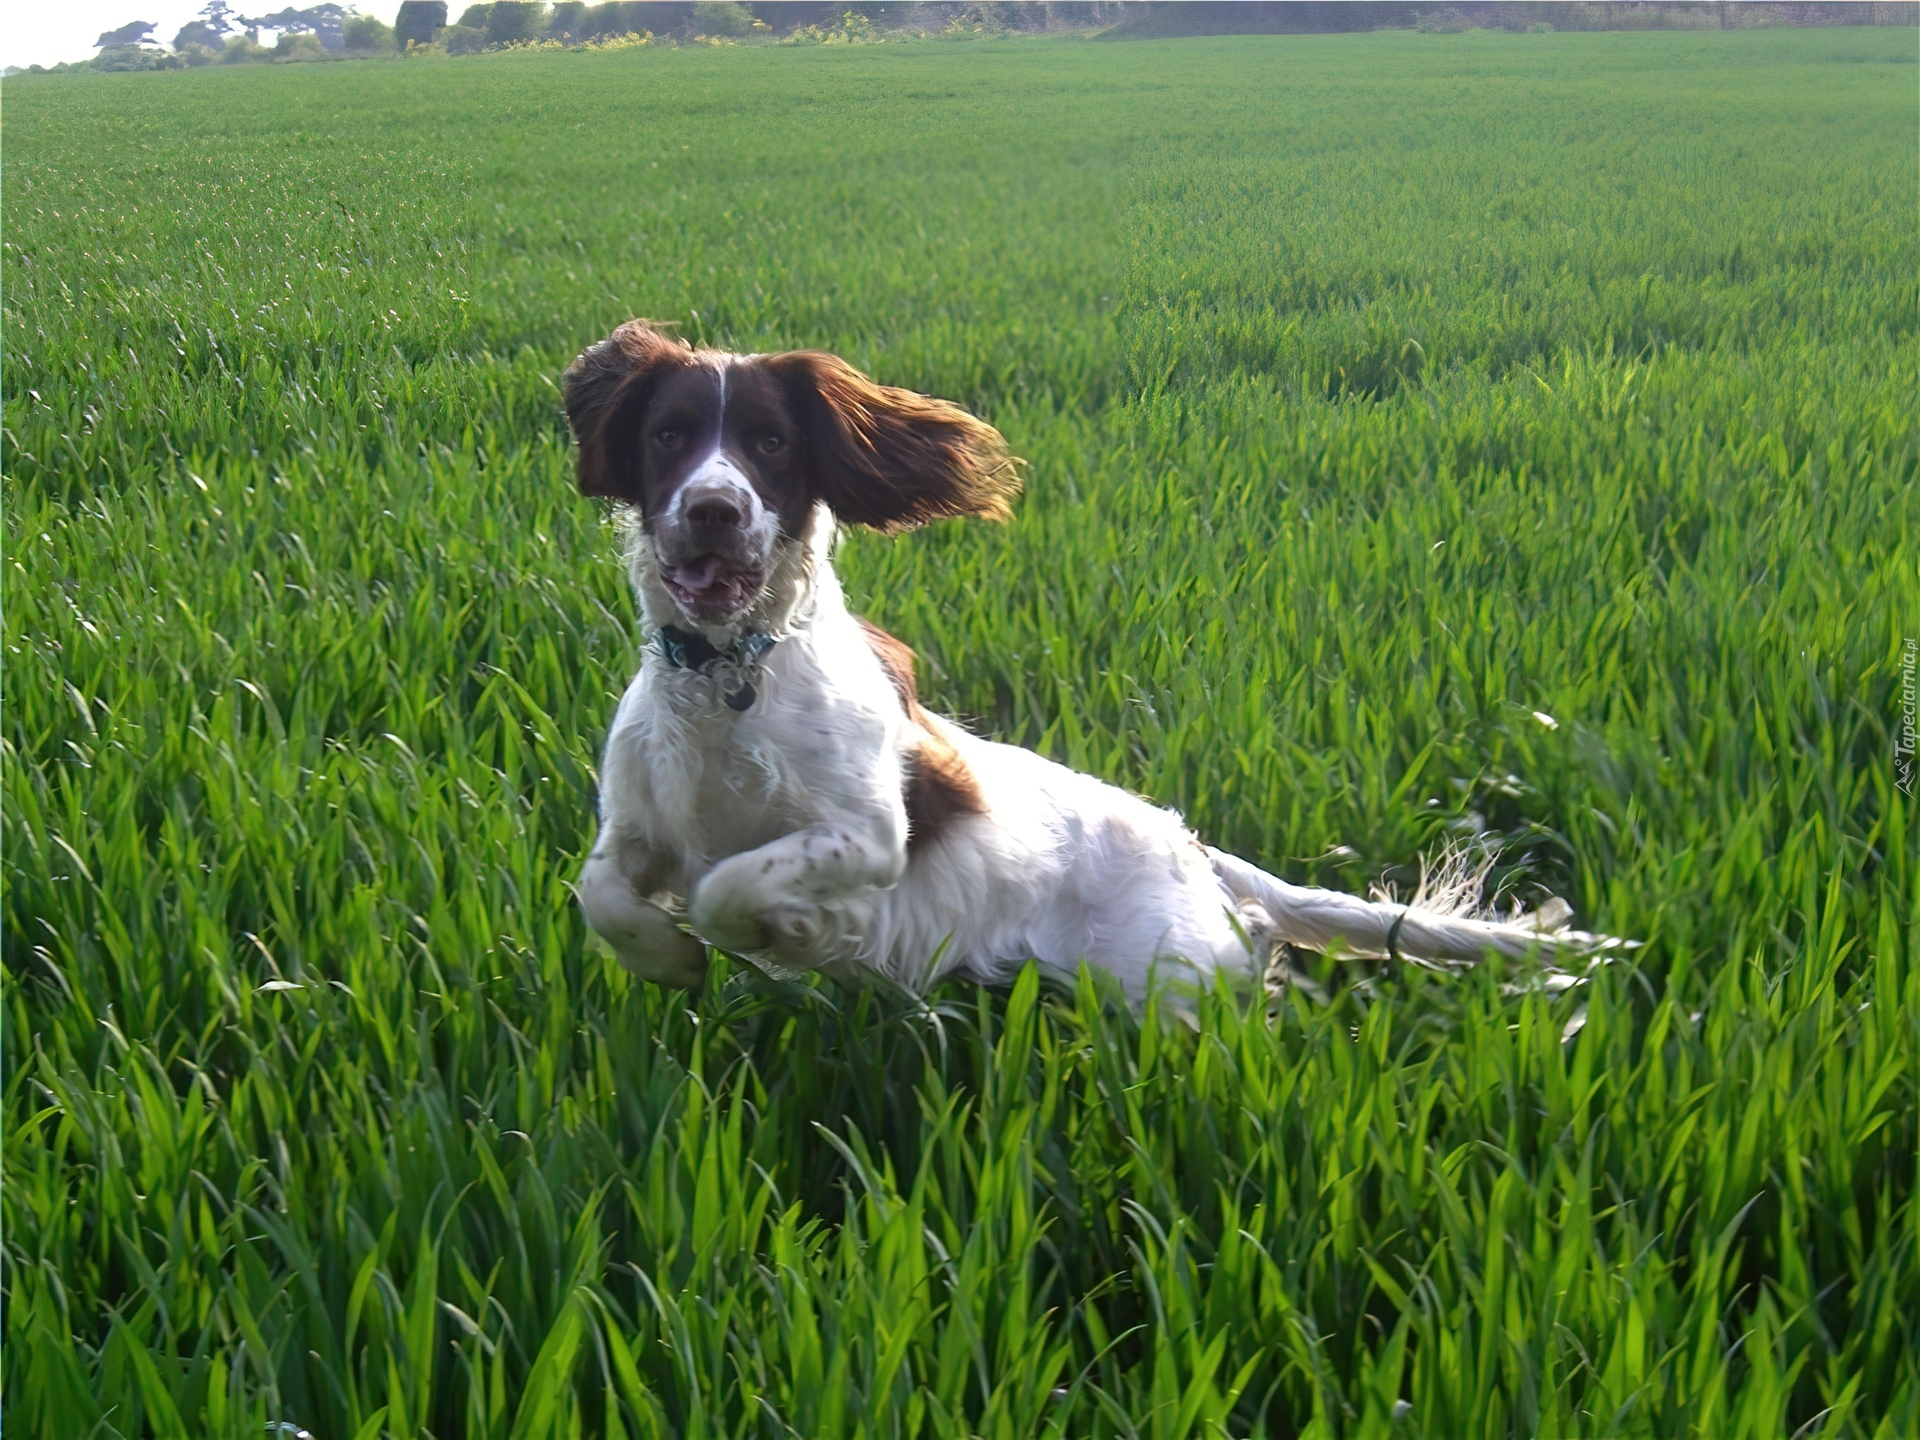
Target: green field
(1379,391)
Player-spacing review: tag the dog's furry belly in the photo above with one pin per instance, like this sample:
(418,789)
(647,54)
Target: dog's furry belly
(1047,876)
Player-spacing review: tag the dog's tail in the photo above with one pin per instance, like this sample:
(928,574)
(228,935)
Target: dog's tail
(1442,926)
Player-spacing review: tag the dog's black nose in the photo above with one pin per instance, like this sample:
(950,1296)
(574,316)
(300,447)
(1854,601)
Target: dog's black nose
(716,510)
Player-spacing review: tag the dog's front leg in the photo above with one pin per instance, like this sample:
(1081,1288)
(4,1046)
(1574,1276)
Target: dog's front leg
(619,876)
(799,896)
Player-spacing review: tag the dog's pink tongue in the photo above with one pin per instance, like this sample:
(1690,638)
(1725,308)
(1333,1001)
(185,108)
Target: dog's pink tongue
(701,574)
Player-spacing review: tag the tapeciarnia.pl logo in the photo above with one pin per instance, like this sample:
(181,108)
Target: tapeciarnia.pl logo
(1903,736)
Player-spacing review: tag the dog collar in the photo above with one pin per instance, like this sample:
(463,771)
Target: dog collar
(690,650)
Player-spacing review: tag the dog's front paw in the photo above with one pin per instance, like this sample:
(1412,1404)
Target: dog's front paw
(679,961)
(644,937)
(731,931)
(790,933)
(746,924)
(725,915)
(795,932)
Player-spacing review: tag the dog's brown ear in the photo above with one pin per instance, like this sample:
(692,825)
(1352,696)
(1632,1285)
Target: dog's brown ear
(889,458)
(605,391)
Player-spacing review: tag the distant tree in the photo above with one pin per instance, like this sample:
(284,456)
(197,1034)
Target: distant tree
(464,39)
(418,21)
(474,17)
(134,57)
(511,20)
(137,32)
(221,18)
(784,15)
(618,17)
(366,34)
(299,45)
(600,20)
(215,22)
(720,17)
(564,20)
(323,22)
(244,49)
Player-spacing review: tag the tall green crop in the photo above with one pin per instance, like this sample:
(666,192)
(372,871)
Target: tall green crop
(1430,437)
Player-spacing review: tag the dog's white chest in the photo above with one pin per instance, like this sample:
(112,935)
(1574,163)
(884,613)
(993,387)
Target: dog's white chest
(712,782)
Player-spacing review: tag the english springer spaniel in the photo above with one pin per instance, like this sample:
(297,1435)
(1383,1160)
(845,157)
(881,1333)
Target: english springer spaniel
(772,785)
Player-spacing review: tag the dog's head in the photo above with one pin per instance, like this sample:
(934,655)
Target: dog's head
(726,456)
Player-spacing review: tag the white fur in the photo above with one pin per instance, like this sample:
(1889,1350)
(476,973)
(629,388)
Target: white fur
(780,833)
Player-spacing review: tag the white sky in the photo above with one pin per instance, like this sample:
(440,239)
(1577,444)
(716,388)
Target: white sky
(36,32)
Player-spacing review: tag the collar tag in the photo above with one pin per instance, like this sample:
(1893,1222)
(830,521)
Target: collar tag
(690,650)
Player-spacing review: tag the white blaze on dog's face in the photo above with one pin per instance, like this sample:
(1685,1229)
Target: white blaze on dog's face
(725,456)
(720,483)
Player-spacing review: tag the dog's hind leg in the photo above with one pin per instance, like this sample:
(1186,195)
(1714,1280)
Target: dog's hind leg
(1316,919)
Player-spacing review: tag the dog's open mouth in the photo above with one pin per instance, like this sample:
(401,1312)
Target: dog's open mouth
(711,587)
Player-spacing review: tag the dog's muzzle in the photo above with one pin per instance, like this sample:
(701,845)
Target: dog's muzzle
(715,543)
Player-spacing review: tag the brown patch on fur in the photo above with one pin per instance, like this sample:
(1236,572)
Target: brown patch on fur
(889,458)
(939,790)
(937,787)
(605,391)
(896,658)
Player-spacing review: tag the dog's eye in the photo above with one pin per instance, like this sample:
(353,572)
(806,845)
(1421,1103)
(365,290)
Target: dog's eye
(667,437)
(769,443)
